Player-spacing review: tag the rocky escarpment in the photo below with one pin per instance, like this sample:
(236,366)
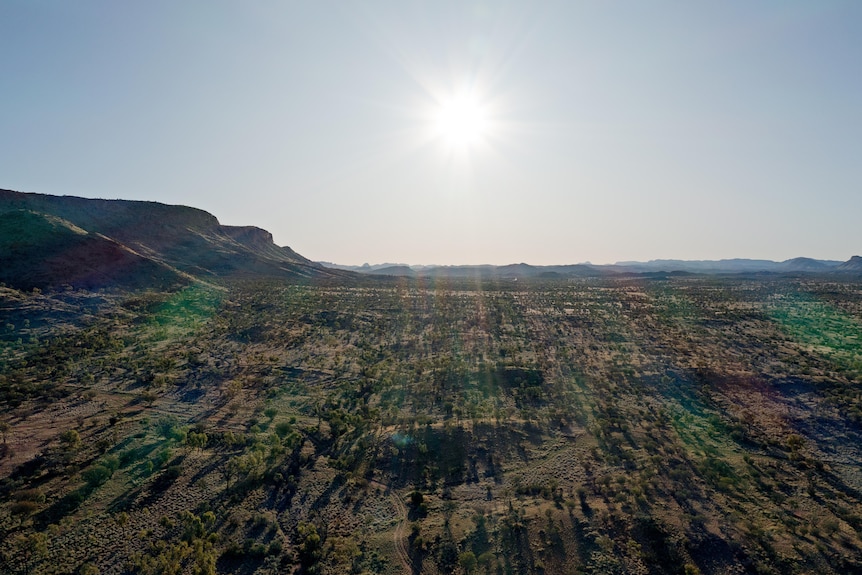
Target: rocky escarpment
(179,239)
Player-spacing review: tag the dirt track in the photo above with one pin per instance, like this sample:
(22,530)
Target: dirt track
(400,529)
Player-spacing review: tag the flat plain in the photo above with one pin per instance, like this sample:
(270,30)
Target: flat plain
(688,424)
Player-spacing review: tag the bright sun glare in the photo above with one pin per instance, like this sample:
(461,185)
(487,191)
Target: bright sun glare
(461,121)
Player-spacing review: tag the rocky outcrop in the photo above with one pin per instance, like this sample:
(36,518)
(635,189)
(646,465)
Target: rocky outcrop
(180,239)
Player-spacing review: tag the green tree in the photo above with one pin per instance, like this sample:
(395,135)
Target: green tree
(70,439)
(310,547)
(196,440)
(96,475)
(169,428)
(122,519)
(30,548)
(468,562)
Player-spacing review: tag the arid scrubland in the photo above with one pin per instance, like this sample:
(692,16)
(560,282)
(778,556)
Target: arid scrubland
(685,425)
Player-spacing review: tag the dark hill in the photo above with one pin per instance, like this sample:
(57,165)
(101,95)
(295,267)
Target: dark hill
(38,250)
(853,266)
(805,265)
(506,272)
(186,239)
(392,271)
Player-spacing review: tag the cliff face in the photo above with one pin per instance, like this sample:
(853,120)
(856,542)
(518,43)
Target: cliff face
(249,236)
(179,239)
(260,240)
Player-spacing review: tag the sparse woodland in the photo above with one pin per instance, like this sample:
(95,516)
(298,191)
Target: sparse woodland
(653,426)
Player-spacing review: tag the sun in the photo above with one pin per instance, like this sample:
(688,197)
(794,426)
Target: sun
(461,121)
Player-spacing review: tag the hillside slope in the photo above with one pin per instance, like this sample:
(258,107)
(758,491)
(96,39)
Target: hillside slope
(851,266)
(40,251)
(185,239)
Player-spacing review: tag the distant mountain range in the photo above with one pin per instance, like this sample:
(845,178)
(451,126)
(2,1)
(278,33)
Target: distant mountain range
(653,267)
(50,241)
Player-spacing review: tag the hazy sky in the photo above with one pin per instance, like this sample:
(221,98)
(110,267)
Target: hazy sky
(602,130)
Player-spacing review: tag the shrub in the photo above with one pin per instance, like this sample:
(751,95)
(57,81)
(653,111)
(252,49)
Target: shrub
(25,508)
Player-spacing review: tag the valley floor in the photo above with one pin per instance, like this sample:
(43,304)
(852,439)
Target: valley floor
(685,425)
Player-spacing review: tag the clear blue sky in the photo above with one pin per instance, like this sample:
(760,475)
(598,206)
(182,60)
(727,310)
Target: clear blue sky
(624,130)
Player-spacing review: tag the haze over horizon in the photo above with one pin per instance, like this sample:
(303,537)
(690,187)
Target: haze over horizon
(453,132)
